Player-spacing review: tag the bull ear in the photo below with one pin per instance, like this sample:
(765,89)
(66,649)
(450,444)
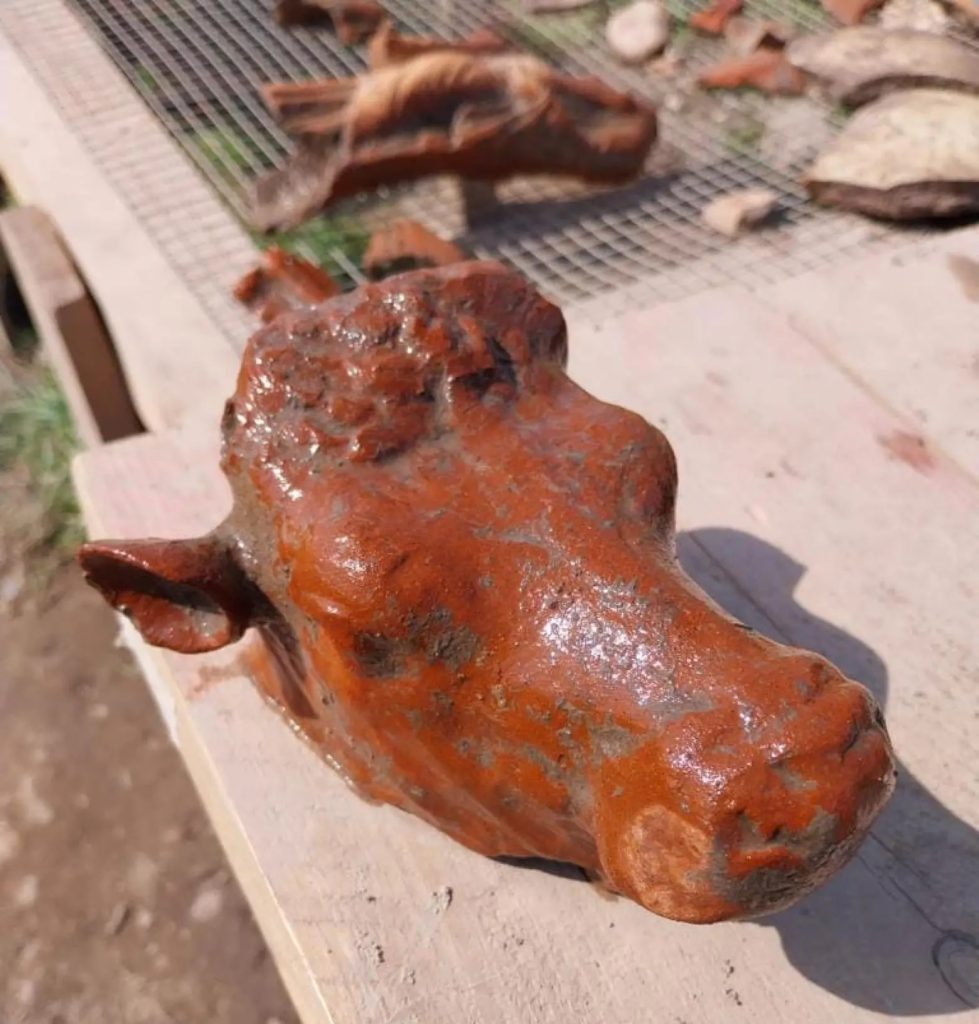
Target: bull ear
(187,595)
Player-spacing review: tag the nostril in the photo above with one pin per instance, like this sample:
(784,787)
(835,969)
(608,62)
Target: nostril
(852,737)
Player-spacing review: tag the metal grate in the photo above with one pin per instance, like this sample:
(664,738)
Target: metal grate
(198,63)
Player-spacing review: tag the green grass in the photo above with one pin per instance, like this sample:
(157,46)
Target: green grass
(745,137)
(322,240)
(549,34)
(223,148)
(37,435)
(838,115)
(146,81)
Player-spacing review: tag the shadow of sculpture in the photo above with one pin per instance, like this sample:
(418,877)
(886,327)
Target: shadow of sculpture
(896,931)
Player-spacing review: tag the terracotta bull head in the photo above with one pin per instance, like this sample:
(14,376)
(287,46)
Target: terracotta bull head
(465,566)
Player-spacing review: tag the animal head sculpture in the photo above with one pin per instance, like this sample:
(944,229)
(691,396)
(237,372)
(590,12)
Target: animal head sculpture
(483,116)
(466,566)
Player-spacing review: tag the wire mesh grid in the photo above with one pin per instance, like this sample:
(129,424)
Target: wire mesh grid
(198,65)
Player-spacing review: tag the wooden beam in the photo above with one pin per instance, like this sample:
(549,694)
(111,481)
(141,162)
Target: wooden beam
(73,337)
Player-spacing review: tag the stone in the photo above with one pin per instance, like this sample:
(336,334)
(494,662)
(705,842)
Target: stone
(26,890)
(850,12)
(860,64)
(737,211)
(117,919)
(639,31)
(34,809)
(462,569)
(499,115)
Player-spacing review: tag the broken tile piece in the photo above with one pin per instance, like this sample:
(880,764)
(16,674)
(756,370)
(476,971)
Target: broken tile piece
(766,69)
(739,211)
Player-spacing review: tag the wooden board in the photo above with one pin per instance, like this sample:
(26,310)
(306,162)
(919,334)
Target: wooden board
(178,363)
(907,324)
(804,518)
(73,337)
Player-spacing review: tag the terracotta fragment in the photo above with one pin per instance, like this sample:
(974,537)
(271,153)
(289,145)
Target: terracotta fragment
(403,244)
(911,155)
(860,64)
(713,19)
(388,47)
(463,566)
(479,116)
(282,282)
(352,20)
(766,69)
(745,36)
(850,12)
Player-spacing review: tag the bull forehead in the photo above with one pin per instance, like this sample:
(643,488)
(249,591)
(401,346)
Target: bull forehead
(555,483)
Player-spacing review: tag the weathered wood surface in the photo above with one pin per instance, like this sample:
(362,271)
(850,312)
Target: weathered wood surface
(73,337)
(807,514)
(906,323)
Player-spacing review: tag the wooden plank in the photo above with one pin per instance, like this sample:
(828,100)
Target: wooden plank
(72,334)
(906,324)
(803,521)
(178,363)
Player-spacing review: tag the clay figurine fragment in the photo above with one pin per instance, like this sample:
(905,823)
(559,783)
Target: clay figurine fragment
(850,12)
(738,211)
(744,35)
(388,47)
(860,64)
(484,117)
(281,282)
(714,19)
(404,245)
(766,69)
(639,31)
(352,20)
(909,155)
(464,569)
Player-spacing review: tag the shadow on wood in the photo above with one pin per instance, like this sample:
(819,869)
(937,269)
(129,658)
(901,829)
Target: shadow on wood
(846,937)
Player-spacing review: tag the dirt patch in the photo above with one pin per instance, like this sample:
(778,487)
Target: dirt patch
(116,903)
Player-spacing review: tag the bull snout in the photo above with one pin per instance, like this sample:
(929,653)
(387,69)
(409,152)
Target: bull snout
(758,800)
